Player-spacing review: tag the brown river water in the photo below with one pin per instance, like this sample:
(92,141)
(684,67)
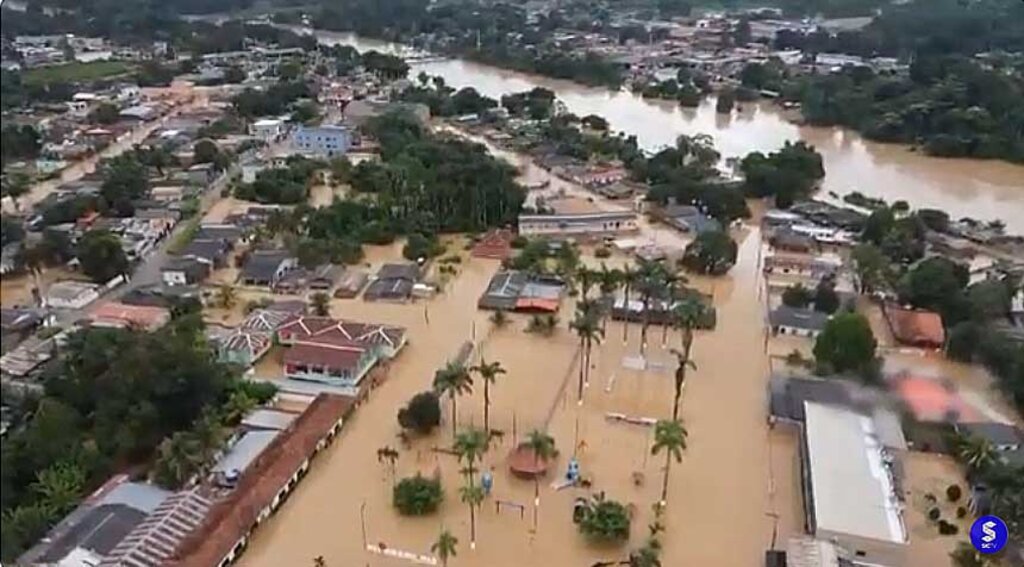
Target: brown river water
(963,187)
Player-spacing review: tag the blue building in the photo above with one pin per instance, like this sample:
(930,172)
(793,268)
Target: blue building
(326,140)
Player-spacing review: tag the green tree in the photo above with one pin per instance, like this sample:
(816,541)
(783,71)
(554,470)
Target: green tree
(870,265)
(965,555)
(796,295)
(542,446)
(988,300)
(321,303)
(488,372)
(499,318)
(445,547)
(588,329)
(101,256)
(205,151)
(962,340)
(826,300)
(472,496)
(670,438)
(686,316)
(178,459)
(227,296)
(937,283)
(726,101)
(60,486)
(15,186)
(454,380)
(977,453)
(605,521)
(105,113)
(470,445)
(124,179)
(846,343)
(712,252)
(389,455)
(422,413)
(417,495)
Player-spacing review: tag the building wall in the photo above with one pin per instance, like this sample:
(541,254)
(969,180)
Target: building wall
(347,377)
(175,278)
(535,226)
(77,302)
(865,550)
(322,141)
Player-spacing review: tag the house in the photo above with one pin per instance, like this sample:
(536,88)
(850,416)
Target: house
(89,533)
(265,418)
(351,283)
(267,267)
(123,316)
(578,224)
(268,129)
(240,455)
(18,323)
(785,320)
(495,244)
(71,295)
(812,268)
(244,347)
(1003,437)
(519,291)
(202,173)
(9,257)
(326,277)
(265,485)
(167,193)
(140,112)
(851,486)
(394,282)
(915,327)
(789,241)
(212,252)
(184,271)
(292,281)
(340,353)
(323,141)
(688,218)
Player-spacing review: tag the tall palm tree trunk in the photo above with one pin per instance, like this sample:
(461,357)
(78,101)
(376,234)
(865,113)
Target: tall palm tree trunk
(583,367)
(472,525)
(643,327)
(687,344)
(454,415)
(487,408)
(625,319)
(664,480)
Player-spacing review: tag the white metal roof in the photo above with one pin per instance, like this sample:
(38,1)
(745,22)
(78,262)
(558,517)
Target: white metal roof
(852,488)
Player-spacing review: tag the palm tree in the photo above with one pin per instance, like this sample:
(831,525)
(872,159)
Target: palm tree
(686,315)
(319,561)
(669,436)
(15,186)
(628,281)
(455,380)
(976,452)
(586,279)
(588,329)
(543,447)
(489,372)
(389,454)
(227,296)
(472,495)
(321,304)
(445,546)
(651,284)
(178,458)
(669,295)
(607,282)
(470,445)
(238,405)
(60,486)
(210,436)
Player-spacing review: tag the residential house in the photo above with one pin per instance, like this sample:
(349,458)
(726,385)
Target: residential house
(184,271)
(519,291)
(71,294)
(323,141)
(152,542)
(785,320)
(167,193)
(495,244)
(202,173)
(335,352)
(578,224)
(915,327)
(394,282)
(18,323)
(253,338)
(351,283)
(264,486)
(267,267)
(268,130)
(789,241)
(292,282)
(326,277)
(812,268)
(212,252)
(1003,437)
(123,316)
(687,218)
(90,533)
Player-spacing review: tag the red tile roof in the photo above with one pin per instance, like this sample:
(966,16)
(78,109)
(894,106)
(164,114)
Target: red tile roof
(918,328)
(115,314)
(496,244)
(323,353)
(235,516)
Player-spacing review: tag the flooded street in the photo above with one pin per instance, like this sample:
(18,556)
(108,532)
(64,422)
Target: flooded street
(962,187)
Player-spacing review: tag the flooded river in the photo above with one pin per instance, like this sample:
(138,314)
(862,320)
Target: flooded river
(962,187)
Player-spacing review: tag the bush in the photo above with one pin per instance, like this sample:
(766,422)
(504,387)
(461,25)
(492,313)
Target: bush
(417,496)
(422,246)
(602,252)
(422,413)
(961,512)
(712,252)
(933,514)
(947,528)
(953,492)
(519,242)
(605,521)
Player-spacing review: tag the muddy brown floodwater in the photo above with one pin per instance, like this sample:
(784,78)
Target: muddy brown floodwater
(963,187)
(734,478)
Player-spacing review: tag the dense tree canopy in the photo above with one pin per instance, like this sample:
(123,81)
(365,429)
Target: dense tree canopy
(101,256)
(847,343)
(787,175)
(712,252)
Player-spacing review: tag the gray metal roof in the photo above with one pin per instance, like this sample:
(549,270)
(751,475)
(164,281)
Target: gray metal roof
(995,433)
(244,452)
(99,531)
(785,316)
(263,418)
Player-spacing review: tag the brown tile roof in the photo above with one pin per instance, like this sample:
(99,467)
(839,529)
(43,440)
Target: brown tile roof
(116,314)
(235,516)
(323,353)
(920,328)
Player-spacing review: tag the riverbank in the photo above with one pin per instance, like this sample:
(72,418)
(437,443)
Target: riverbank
(979,189)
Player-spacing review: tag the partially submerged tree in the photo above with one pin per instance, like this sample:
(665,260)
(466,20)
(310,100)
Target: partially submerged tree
(422,414)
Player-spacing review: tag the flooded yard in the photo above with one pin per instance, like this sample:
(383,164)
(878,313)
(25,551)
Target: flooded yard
(734,481)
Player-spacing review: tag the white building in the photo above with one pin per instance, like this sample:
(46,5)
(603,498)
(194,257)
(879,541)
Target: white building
(71,295)
(578,224)
(268,129)
(850,493)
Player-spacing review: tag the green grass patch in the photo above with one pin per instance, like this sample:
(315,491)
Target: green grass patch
(75,72)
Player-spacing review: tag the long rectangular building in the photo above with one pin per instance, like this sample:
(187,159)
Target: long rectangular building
(851,493)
